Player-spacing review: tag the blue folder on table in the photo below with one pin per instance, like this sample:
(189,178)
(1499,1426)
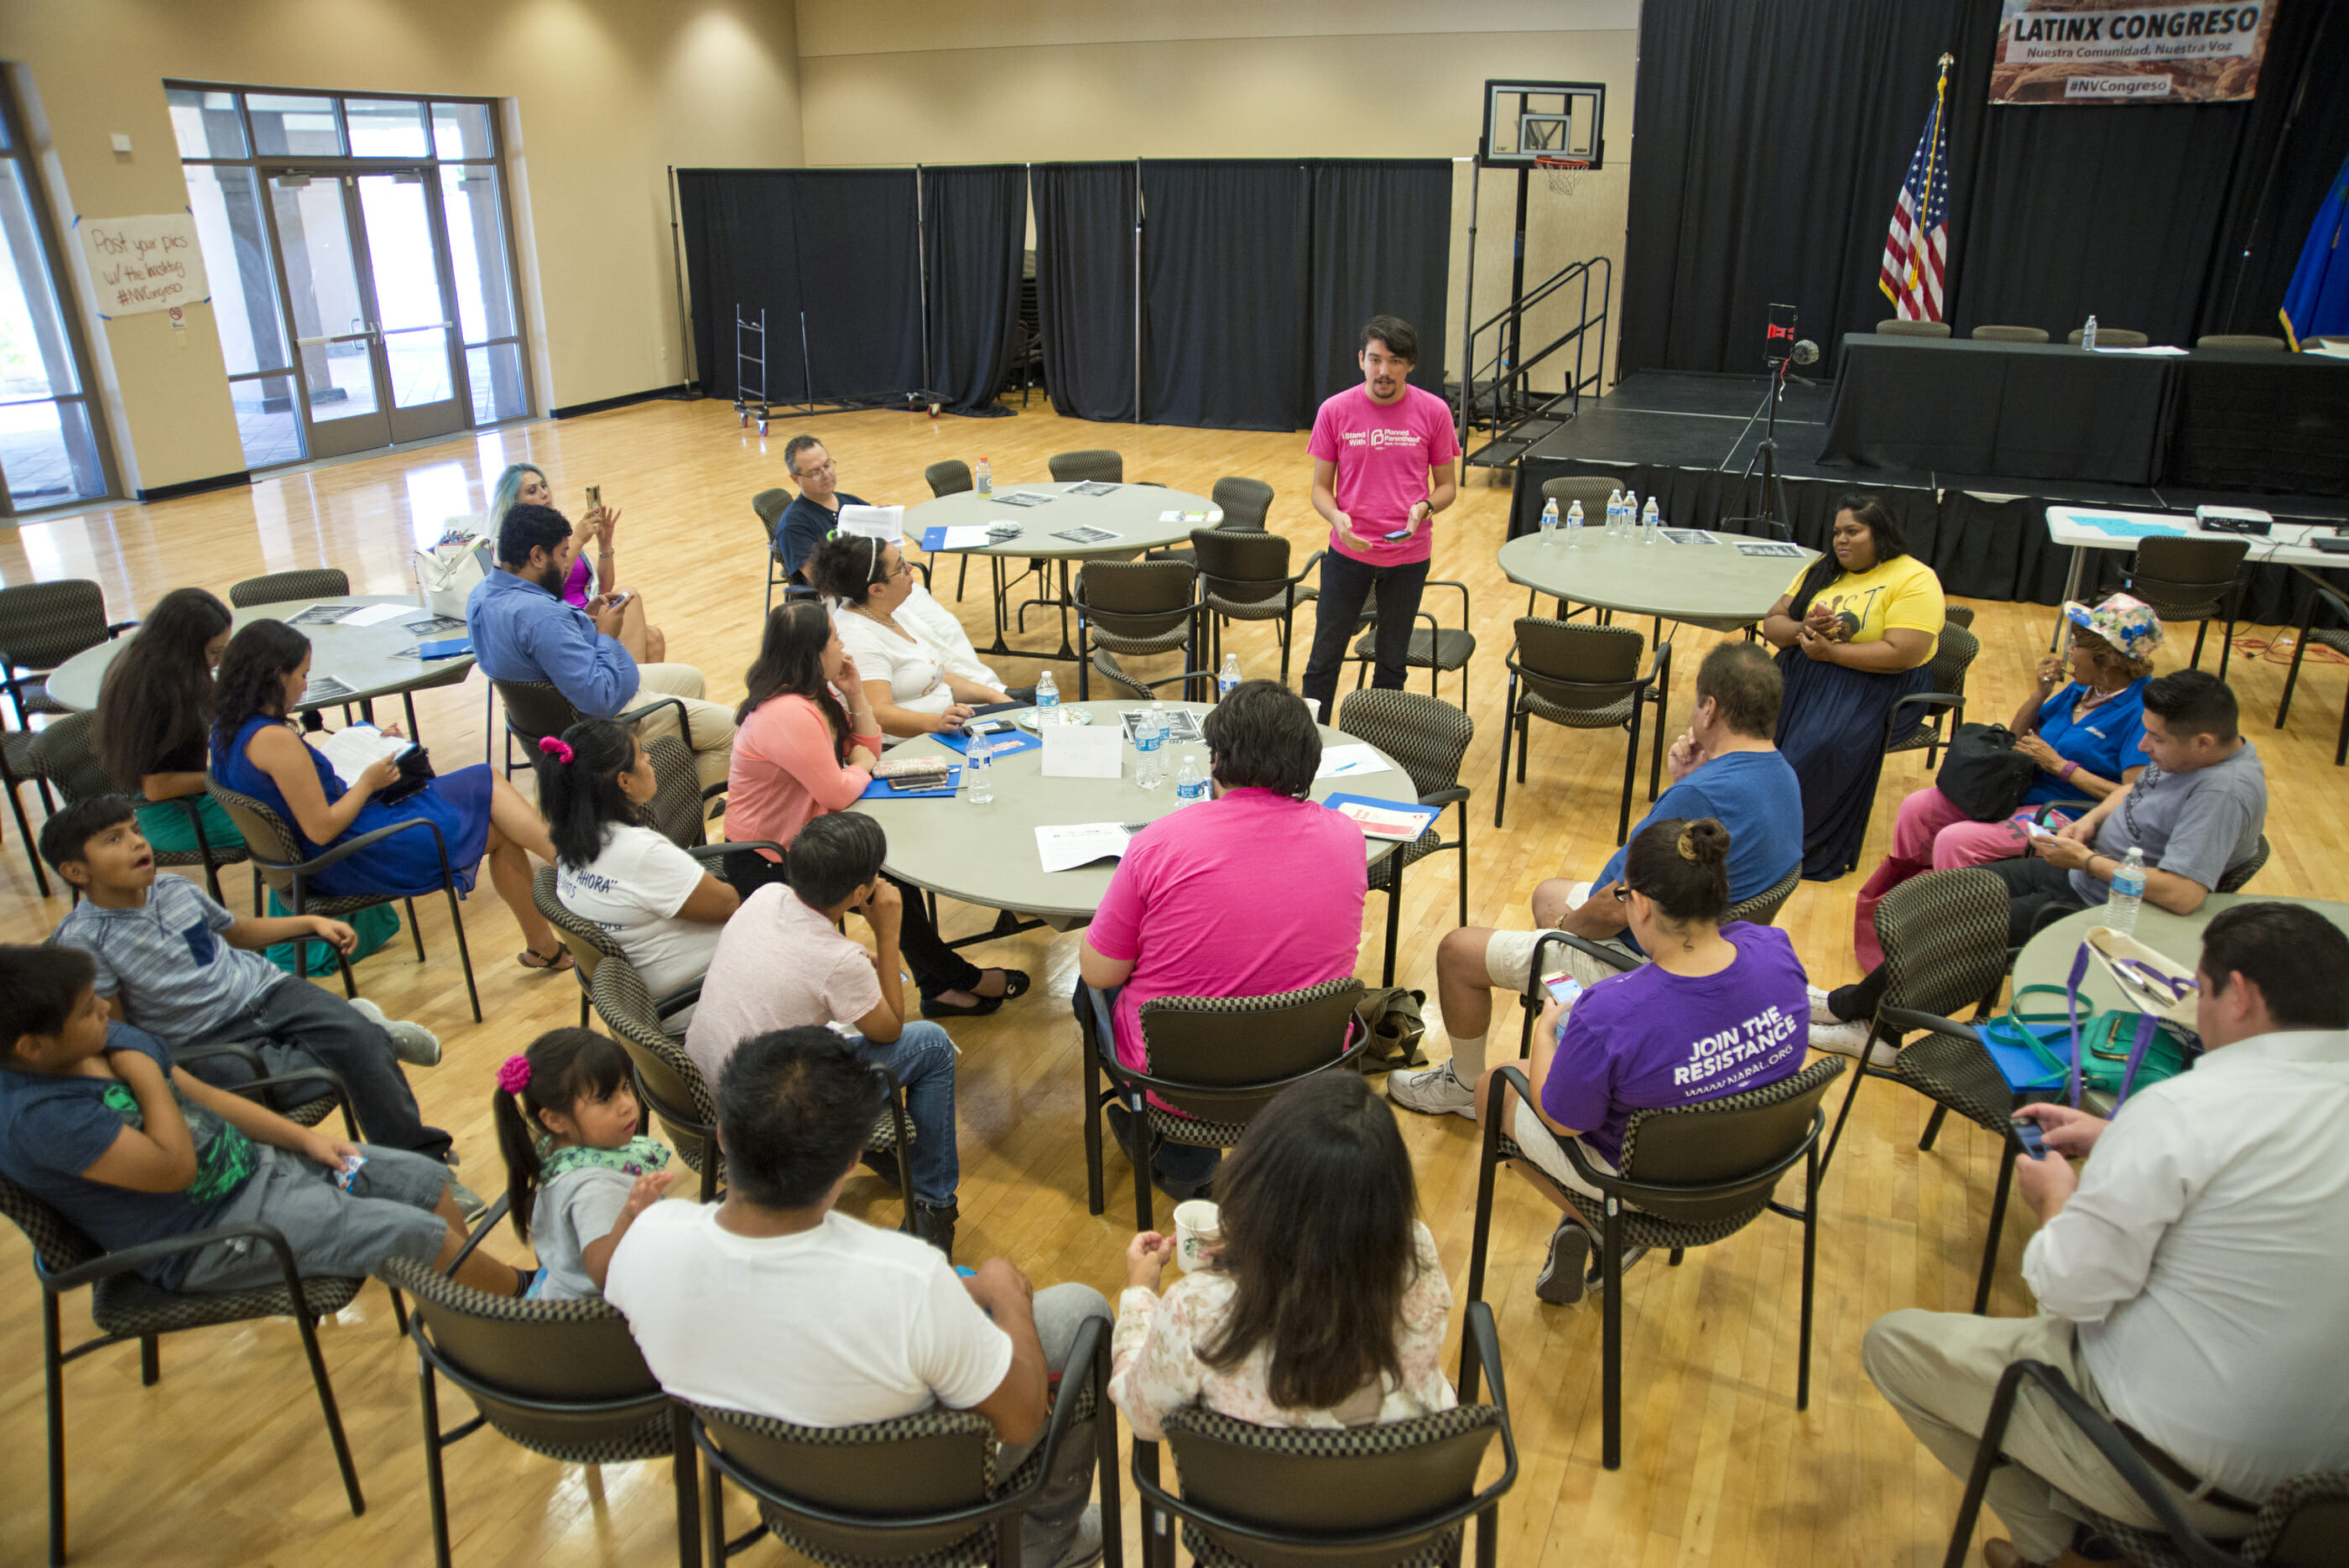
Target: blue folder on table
(444,647)
(1007,742)
(879,788)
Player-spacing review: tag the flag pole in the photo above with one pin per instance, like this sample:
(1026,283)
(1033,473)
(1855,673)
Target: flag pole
(1932,155)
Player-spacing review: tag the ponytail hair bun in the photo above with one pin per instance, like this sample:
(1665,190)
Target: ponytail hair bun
(1682,865)
(1705,842)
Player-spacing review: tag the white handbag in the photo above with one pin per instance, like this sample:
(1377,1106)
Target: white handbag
(446,573)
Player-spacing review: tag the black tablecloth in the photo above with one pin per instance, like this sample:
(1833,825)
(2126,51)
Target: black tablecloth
(2030,410)
(2249,421)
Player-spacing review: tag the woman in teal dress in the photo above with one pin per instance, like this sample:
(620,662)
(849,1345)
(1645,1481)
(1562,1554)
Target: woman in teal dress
(154,714)
(256,751)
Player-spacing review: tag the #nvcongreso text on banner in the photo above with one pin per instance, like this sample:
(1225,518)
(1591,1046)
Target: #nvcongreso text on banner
(2060,51)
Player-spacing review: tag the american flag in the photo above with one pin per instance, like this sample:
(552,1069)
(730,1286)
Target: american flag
(1917,249)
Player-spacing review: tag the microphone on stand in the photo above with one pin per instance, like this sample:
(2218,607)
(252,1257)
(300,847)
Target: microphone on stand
(1805,352)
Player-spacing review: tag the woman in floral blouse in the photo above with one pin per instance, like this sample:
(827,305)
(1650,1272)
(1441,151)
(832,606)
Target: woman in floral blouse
(1326,1303)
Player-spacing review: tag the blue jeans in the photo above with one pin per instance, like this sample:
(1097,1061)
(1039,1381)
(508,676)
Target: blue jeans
(923,1058)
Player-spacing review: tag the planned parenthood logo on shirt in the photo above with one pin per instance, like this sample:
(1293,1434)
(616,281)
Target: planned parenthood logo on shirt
(1719,1060)
(1381,439)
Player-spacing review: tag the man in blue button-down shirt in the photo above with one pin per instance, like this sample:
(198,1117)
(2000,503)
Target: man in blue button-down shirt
(523,630)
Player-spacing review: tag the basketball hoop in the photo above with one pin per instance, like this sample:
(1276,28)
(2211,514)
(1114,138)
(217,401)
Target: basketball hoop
(1547,160)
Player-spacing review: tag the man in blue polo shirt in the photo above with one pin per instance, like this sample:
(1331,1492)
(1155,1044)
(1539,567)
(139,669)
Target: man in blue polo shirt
(521,630)
(1725,767)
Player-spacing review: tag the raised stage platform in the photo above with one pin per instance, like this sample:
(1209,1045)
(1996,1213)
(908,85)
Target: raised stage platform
(1686,439)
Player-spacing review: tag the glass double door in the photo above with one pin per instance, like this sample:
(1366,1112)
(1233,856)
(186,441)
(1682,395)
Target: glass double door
(365,265)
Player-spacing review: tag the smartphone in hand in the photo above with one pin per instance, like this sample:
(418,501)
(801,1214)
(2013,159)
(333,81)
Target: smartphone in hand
(594,497)
(1563,989)
(1405,532)
(2027,1132)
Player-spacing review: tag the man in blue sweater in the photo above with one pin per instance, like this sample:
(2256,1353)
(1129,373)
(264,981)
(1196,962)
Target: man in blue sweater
(521,630)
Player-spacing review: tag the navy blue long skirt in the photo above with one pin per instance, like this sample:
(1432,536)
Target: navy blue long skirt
(1831,730)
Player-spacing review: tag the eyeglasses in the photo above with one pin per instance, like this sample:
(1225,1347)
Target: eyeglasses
(1623,891)
(827,466)
(902,569)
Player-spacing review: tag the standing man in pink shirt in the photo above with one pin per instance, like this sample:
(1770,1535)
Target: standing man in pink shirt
(1253,893)
(1382,468)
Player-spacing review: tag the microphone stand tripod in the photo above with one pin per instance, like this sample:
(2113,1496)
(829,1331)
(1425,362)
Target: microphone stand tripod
(1774,493)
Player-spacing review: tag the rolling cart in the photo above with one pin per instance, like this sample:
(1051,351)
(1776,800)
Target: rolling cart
(745,399)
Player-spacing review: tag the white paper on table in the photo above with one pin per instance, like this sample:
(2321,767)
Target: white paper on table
(1082,752)
(874,523)
(962,536)
(376,614)
(355,748)
(2158,351)
(1347,761)
(1080,843)
(1183,517)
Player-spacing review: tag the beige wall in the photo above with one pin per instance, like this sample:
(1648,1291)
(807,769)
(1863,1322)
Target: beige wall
(605,94)
(959,81)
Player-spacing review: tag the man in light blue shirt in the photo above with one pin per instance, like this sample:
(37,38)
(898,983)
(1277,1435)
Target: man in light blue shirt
(523,630)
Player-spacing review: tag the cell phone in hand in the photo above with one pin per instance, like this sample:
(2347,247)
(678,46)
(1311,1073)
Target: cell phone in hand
(1402,533)
(619,597)
(1563,989)
(2027,1133)
(594,497)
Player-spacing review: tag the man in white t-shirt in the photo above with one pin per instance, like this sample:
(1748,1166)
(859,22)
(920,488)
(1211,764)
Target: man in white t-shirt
(772,1302)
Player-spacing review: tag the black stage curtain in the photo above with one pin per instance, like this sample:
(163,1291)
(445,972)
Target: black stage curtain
(835,247)
(1084,285)
(1772,138)
(1981,547)
(1381,246)
(1225,285)
(974,222)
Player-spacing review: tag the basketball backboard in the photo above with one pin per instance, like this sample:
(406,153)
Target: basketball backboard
(1550,125)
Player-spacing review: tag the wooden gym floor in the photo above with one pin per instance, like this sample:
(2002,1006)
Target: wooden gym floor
(225,1462)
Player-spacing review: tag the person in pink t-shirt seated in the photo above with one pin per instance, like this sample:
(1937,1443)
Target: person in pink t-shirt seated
(1255,892)
(1382,455)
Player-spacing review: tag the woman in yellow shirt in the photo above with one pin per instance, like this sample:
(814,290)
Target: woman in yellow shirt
(1856,629)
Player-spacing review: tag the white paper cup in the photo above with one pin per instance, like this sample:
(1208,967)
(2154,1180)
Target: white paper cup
(1198,1231)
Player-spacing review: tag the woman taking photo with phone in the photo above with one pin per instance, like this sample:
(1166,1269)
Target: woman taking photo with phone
(1324,1303)
(589,589)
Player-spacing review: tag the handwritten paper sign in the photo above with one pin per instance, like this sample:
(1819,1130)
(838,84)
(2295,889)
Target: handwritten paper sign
(141,264)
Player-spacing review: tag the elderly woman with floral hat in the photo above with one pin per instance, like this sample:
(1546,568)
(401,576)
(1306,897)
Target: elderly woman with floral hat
(2086,733)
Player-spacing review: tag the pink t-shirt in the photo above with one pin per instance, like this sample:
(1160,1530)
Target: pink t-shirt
(1383,451)
(779,965)
(786,771)
(1246,895)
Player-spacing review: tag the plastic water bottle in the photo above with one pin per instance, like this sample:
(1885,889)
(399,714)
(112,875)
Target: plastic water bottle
(1549,523)
(1048,699)
(978,769)
(1228,676)
(1149,749)
(1614,510)
(983,477)
(1190,785)
(1573,525)
(2089,334)
(1650,530)
(1630,513)
(2128,896)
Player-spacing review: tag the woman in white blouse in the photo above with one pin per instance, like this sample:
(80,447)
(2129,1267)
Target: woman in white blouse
(919,665)
(1325,1303)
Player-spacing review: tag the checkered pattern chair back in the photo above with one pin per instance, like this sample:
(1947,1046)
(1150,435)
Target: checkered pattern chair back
(951,477)
(522,1361)
(1228,1045)
(1093,463)
(1720,1139)
(283,588)
(1247,502)
(42,624)
(1334,1480)
(1944,939)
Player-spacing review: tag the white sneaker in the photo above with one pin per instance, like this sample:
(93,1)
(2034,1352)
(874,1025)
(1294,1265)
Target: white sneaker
(1845,1040)
(1431,1091)
(1821,1013)
(411,1043)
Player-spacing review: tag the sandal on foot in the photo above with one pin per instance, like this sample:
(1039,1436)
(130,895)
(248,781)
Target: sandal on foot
(531,958)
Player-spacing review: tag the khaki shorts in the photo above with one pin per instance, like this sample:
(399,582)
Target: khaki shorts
(1533,1135)
(1509,957)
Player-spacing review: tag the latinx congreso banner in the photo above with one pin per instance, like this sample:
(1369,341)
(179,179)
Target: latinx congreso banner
(2092,51)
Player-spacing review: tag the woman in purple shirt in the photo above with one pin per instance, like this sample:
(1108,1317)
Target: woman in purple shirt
(523,485)
(1720,1010)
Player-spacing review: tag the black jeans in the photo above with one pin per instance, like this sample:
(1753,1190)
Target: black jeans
(2036,891)
(1346,583)
(936,967)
